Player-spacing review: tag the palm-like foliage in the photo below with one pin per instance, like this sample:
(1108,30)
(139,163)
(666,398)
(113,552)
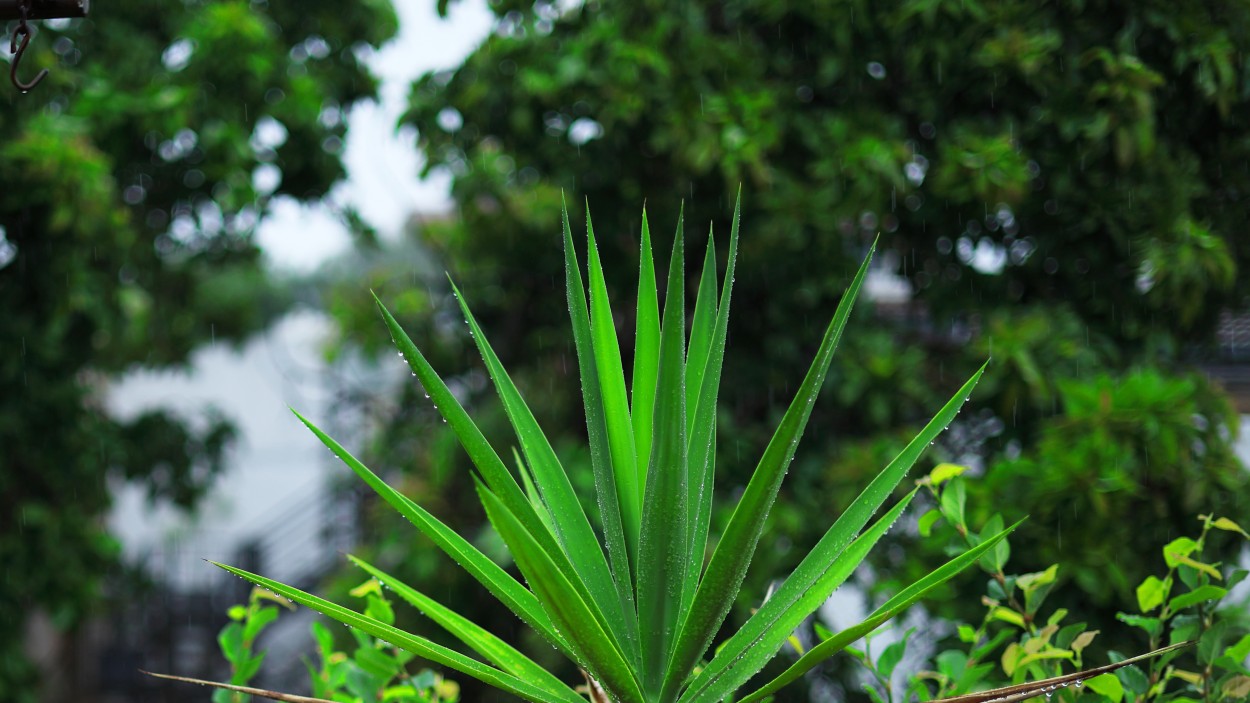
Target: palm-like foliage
(639,616)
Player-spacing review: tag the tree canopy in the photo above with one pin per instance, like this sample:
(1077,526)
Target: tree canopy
(1062,186)
(134,178)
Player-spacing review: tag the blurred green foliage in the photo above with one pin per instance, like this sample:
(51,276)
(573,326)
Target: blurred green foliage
(129,201)
(1017,640)
(1062,187)
(371,671)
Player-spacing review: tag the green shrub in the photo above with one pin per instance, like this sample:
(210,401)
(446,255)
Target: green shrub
(639,617)
(374,671)
(1018,639)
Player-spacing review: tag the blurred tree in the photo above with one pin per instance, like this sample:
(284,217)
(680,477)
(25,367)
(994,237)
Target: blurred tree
(133,180)
(1062,186)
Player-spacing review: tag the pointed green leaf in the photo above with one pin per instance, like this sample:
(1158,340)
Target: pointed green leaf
(610,373)
(646,350)
(606,487)
(531,491)
(573,529)
(407,641)
(493,649)
(823,558)
(725,571)
(597,651)
(811,584)
(664,548)
(471,438)
(516,597)
(702,440)
(702,329)
(901,601)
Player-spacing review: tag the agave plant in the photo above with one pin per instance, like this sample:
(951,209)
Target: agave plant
(638,610)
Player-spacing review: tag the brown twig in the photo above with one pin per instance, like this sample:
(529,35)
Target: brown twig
(271,695)
(1025,691)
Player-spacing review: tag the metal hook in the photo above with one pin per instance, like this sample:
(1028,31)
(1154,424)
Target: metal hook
(18,51)
(23,31)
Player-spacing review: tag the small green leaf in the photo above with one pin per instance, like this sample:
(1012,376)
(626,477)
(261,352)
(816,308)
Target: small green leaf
(1230,526)
(954,497)
(1205,568)
(1045,654)
(369,586)
(376,663)
(945,472)
(1211,643)
(1108,686)
(1010,658)
(1238,652)
(1152,626)
(1236,577)
(951,663)
(1007,615)
(995,642)
(927,521)
(1028,582)
(231,642)
(248,669)
(1236,688)
(1184,627)
(379,609)
(1036,587)
(259,620)
(1152,592)
(1196,596)
(363,684)
(995,559)
(323,637)
(1083,640)
(893,654)
(1134,680)
(1177,549)
(967,634)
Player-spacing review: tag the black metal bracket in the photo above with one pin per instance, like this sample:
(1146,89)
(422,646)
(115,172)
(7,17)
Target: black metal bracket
(43,9)
(24,10)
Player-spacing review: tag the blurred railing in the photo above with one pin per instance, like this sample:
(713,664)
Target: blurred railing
(173,627)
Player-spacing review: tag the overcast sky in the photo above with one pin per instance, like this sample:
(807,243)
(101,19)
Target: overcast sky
(382,163)
(277,462)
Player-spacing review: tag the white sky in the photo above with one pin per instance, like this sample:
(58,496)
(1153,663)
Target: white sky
(382,164)
(277,462)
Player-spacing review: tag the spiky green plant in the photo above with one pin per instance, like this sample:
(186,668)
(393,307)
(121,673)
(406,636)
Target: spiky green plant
(640,616)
